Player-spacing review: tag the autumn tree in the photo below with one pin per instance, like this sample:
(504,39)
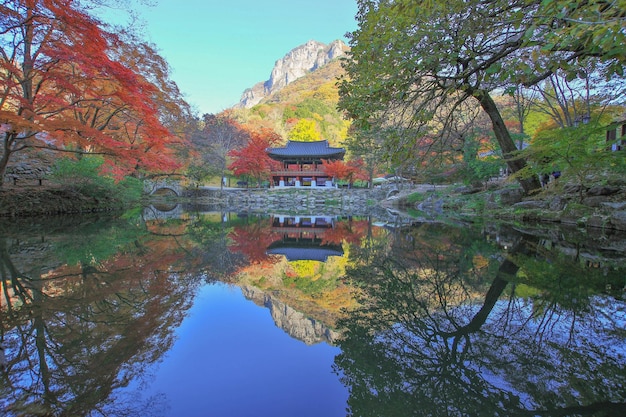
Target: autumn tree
(219,135)
(252,159)
(345,170)
(369,147)
(172,109)
(336,169)
(68,85)
(412,58)
(304,131)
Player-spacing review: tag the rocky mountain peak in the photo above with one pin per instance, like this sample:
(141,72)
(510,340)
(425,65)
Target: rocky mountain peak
(295,64)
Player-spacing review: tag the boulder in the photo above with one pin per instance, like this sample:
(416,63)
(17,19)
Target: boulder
(603,190)
(557,203)
(612,205)
(531,204)
(618,220)
(595,201)
(509,196)
(571,188)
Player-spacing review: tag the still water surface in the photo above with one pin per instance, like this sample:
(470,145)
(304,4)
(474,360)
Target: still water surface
(219,314)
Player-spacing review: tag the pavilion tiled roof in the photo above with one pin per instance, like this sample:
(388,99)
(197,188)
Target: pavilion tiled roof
(317,149)
(311,254)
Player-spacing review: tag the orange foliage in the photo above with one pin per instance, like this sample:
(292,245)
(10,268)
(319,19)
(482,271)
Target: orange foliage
(252,159)
(61,88)
(350,171)
(253,241)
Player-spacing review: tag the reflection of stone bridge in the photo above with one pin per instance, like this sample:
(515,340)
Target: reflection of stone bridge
(165,186)
(163,211)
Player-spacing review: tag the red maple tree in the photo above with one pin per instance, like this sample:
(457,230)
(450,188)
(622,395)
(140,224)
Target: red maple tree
(350,171)
(252,159)
(68,85)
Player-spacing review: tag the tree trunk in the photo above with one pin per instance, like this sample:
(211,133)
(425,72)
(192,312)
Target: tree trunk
(506,272)
(515,164)
(4,159)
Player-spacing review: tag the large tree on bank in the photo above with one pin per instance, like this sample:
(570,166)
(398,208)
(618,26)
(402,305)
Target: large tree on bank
(413,60)
(68,85)
(252,159)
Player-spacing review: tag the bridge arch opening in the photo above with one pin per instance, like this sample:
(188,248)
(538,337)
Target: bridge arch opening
(165,192)
(393,192)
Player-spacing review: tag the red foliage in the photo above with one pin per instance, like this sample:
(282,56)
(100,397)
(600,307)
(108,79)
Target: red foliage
(351,232)
(337,169)
(358,170)
(342,170)
(253,159)
(68,92)
(253,241)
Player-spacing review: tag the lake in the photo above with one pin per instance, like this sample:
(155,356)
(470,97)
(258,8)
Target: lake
(168,311)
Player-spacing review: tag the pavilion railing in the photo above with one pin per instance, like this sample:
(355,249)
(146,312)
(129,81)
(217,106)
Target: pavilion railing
(294,173)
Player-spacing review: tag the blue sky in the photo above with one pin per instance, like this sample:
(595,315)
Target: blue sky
(218,48)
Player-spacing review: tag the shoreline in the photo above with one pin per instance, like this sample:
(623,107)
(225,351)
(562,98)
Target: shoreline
(605,212)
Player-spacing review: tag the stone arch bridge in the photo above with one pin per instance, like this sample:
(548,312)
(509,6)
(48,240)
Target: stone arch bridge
(165,186)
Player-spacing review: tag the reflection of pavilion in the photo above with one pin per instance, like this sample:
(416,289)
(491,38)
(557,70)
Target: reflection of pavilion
(301,238)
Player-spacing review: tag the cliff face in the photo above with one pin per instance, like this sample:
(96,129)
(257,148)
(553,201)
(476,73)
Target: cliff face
(294,323)
(297,63)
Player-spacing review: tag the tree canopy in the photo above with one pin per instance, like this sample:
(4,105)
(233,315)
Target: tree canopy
(252,159)
(217,136)
(68,85)
(304,131)
(414,62)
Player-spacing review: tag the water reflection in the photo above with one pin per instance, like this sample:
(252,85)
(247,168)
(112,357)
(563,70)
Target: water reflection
(430,319)
(303,238)
(76,324)
(449,325)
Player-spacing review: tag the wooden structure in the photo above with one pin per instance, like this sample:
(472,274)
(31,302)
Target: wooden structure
(302,238)
(302,164)
(616,136)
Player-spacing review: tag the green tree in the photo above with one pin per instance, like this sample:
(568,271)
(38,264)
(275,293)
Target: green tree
(579,151)
(413,58)
(84,175)
(367,146)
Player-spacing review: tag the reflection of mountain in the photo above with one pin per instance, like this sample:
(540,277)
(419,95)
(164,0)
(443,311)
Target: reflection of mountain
(296,324)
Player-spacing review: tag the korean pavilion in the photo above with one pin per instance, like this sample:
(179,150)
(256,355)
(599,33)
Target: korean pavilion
(302,164)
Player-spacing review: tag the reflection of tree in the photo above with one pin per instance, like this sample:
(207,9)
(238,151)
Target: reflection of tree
(13,281)
(434,337)
(350,231)
(81,331)
(252,239)
(211,247)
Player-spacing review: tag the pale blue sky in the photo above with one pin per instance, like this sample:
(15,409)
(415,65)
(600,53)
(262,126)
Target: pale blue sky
(218,48)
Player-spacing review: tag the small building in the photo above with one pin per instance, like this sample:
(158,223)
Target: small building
(616,136)
(302,164)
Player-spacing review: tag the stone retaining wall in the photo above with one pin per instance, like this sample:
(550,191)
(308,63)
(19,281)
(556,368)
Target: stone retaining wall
(327,201)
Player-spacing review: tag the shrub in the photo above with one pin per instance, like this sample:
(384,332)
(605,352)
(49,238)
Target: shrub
(83,175)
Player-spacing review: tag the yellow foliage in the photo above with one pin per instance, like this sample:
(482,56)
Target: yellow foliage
(304,131)
(480,262)
(304,268)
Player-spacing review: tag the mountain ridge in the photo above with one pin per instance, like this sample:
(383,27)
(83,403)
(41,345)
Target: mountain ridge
(298,62)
